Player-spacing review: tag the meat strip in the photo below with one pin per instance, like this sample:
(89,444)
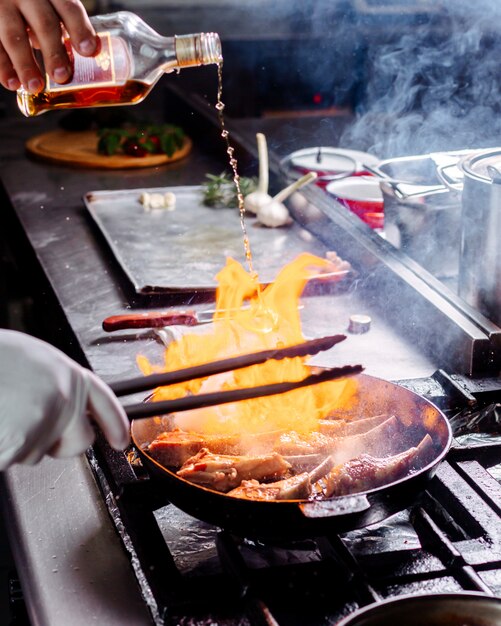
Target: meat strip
(172,448)
(346,428)
(367,472)
(292,444)
(293,488)
(223,472)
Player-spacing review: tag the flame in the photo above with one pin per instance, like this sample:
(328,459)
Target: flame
(250,318)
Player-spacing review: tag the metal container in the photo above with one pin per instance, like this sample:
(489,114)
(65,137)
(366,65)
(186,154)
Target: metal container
(329,163)
(444,609)
(479,282)
(421,213)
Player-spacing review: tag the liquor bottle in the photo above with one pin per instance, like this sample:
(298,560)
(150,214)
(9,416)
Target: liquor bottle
(131,59)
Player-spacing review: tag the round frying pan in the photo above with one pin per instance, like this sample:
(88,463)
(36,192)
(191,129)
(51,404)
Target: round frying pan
(439,609)
(295,519)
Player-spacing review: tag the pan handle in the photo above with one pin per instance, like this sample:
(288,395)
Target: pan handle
(343,505)
(452,182)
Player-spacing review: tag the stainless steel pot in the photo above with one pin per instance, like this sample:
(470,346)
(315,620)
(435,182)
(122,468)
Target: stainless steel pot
(421,213)
(479,281)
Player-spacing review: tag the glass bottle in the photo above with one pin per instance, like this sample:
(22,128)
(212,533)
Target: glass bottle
(131,59)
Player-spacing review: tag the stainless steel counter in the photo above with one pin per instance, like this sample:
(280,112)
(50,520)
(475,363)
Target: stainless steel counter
(72,566)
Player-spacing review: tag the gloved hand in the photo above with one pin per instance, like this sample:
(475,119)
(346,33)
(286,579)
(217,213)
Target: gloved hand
(47,400)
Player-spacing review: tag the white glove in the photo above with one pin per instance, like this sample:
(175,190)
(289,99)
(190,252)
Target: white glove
(46,400)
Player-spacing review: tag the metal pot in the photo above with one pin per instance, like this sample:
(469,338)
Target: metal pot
(479,178)
(421,213)
(328,163)
(305,518)
(444,609)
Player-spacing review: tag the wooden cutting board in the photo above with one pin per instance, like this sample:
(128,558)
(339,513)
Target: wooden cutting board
(80,149)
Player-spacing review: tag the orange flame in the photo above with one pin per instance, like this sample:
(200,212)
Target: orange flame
(250,318)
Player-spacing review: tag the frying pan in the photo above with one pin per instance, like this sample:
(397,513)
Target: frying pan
(437,609)
(296,519)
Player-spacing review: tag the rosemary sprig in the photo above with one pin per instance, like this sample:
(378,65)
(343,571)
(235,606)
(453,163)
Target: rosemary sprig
(219,191)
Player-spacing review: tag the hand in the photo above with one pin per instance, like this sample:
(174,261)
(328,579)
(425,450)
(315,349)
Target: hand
(40,23)
(45,399)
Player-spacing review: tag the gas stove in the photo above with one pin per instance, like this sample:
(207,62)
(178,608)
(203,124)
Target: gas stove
(449,540)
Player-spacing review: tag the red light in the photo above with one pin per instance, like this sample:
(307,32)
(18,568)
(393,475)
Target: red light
(317,98)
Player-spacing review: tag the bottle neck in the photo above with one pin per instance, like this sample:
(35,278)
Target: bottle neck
(197,49)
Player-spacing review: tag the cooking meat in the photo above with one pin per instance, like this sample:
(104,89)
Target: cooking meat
(370,442)
(343,428)
(224,472)
(342,447)
(367,472)
(172,448)
(294,443)
(293,488)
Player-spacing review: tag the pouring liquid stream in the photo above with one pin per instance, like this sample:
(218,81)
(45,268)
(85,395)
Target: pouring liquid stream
(264,320)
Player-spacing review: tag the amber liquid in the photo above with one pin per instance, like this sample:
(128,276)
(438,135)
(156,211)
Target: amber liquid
(131,92)
(265,321)
(234,168)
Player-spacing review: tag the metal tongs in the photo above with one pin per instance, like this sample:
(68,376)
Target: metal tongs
(403,189)
(152,409)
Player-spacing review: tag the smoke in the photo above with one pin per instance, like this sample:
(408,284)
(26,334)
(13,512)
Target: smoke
(436,87)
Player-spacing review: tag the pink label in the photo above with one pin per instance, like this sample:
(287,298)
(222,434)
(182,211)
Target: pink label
(91,71)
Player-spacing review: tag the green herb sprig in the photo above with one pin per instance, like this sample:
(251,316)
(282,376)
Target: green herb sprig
(141,140)
(219,191)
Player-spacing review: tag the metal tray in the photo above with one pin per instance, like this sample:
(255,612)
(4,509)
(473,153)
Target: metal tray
(183,250)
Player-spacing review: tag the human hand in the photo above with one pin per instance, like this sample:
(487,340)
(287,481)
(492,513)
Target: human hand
(40,23)
(46,400)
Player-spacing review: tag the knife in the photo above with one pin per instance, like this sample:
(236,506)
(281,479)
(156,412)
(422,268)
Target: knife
(159,319)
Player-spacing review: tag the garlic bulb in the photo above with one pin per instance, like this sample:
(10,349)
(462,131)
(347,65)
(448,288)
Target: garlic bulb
(274,213)
(255,199)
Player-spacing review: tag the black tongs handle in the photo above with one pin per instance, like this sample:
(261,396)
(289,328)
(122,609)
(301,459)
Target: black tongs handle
(153,409)
(145,383)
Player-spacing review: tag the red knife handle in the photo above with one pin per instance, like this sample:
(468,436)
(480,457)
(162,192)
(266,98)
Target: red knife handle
(150,320)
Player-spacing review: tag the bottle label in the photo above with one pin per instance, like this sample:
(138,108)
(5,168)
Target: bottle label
(94,71)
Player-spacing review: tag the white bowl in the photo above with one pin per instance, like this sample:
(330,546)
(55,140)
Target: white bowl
(363,196)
